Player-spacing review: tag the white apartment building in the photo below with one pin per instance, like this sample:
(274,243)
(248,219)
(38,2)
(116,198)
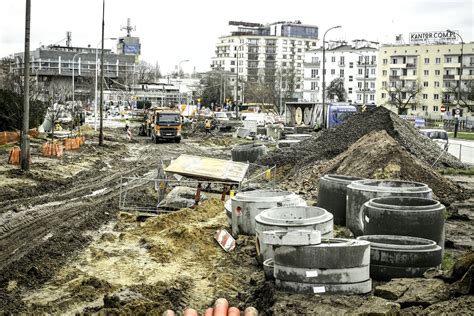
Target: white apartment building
(356,63)
(434,69)
(273,53)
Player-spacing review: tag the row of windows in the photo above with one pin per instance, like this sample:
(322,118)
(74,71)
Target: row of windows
(426,60)
(315,72)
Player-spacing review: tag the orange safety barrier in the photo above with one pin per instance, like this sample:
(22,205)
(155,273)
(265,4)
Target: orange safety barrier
(9,137)
(52,149)
(14,156)
(73,143)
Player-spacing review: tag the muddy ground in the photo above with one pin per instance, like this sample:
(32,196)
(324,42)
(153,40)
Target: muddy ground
(66,248)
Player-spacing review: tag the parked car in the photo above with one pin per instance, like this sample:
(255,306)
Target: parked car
(440,136)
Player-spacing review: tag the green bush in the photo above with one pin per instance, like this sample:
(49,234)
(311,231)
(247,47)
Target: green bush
(11,111)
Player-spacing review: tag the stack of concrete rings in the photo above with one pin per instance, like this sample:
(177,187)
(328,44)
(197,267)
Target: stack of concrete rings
(290,218)
(332,195)
(359,192)
(334,266)
(404,216)
(245,206)
(401,256)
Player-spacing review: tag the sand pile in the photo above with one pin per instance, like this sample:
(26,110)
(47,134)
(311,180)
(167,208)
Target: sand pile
(376,155)
(330,143)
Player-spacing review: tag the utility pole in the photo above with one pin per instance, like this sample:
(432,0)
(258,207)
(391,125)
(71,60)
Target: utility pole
(458,106)
(25,142)
(101,125)
(324,70)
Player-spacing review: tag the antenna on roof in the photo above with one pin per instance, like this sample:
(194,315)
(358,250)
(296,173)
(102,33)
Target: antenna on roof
(68,38)
(399,39)
(129,28)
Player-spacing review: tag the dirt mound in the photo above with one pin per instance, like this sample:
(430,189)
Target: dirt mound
(332,142)
(378,156)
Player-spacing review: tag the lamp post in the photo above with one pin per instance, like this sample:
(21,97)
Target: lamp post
(237,80)
(456,116)
(364,101)
(74,57)
(179,82)
(96,75)
(324,70)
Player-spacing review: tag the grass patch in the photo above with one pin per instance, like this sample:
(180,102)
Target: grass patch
(448,261)
(462,135)
(469,171)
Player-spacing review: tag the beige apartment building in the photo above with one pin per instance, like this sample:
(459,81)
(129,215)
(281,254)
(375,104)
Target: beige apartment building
(425,76)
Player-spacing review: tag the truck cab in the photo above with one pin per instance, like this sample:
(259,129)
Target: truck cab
(166,125)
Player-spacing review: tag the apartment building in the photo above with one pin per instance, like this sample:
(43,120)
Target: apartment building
(271,53)
(425,77)
(354,63)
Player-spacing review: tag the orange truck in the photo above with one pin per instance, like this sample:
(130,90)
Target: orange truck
(166,125)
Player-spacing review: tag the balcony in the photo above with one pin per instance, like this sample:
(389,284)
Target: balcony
(448,77)
(341,64)
(398,66)
(452,65)
(411,65)
(394,77)
(316,64)
(369,64)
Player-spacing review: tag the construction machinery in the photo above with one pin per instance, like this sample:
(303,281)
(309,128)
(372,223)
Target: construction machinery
(165,123)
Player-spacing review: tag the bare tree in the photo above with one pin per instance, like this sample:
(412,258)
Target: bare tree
(402,93)
(336,89)
(466,95)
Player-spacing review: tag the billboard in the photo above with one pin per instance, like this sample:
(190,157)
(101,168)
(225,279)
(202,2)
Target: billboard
(432,37)
(131,49)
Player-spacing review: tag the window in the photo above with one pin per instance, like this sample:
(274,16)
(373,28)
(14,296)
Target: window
(384,95)
(298,57)
(350,89)
(333,59)
(284,49)
(298,64)
(425,84)
(314,60)
(384,72)
(359,85)
(372,85)
(351,65)
(351,78)
(372,71)
(283,63)
(341,60)
(436,96)
(425,96)
(314,85)
(424,108)
(371,97)
(299,43)
(436,84)
(437,72)
(384,83)
(413,107)
(394,60)
(385,61)
(394,73)
(449,59)
(285,42)
(314,73)
(341,72)
(299,50)
(426,72)
(435,108)
(427,60)
(284,56)
(360,71)
(438,60)
(333,71)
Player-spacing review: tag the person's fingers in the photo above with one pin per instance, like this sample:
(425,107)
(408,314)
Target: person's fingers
(251,311)
(233,311)
(169,312)
(221,306)
(190,312)
(209,311)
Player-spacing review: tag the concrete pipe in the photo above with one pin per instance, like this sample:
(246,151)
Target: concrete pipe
(404,216)
(228,211)
(310,288)
(247,205)
(332,195)
(291,218)
(268,267)
(334,253)
(331,276)
(287,143)
(401,256)
(297,136)
(291,237)
(359,192)
(248,152)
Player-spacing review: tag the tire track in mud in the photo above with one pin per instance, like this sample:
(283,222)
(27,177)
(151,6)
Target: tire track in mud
(53,231)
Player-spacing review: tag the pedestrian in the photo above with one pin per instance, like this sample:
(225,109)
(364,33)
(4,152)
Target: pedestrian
(207,126)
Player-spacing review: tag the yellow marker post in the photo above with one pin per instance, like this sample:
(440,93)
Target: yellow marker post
(231,193)
(268,174)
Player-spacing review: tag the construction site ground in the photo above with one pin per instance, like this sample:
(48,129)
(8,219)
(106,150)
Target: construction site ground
(66,248)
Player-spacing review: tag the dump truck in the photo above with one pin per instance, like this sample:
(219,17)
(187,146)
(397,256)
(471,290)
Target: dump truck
(166,124)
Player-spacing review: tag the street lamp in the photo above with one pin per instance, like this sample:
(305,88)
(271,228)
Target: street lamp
(456,116)
(365,74)
(96,75)
(179,82)
(324,70)
(237,81)
(81,53)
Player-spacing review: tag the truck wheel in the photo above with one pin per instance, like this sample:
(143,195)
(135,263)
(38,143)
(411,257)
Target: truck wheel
(157,140)
(177,140)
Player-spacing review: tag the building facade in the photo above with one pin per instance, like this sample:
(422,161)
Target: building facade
(355,64)
(425,78)
(272,53)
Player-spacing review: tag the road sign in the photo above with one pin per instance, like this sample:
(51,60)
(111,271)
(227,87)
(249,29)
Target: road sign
(457,111)
(443,108)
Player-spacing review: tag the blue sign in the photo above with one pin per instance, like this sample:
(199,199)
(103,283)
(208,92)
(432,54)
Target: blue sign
(133,49)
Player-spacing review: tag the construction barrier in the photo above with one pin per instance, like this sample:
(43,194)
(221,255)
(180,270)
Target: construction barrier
(9,137)
(14,156)
(74,143)
(52,149)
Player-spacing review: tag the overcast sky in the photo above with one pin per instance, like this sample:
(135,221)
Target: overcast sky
(175,30)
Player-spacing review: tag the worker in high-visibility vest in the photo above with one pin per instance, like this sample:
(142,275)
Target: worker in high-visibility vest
(207,126)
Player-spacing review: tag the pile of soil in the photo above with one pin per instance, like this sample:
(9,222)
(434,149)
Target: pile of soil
(329,143)
(377,156)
